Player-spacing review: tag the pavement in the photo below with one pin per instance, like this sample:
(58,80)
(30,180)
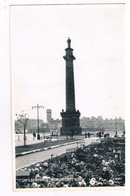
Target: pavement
(32,158)
(19,141)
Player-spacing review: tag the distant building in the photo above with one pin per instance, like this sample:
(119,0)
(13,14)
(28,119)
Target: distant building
(87,123)
(48,112)
(93,123)
(53,125)
(31,125)
(44,127)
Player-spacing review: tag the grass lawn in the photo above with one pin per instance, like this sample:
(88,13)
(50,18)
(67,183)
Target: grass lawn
(20,149)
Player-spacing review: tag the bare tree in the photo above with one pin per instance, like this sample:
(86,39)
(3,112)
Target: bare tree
(23,120)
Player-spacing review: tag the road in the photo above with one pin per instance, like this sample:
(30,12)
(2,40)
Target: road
(29,159)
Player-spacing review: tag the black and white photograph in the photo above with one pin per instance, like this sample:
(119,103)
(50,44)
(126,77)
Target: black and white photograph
(68,96)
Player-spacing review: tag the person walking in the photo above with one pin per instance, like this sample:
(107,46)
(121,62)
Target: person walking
(34,135)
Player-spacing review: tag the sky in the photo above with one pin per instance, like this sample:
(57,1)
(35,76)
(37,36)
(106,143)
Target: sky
(38,42)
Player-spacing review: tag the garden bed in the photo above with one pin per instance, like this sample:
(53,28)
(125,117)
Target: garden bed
(101,164)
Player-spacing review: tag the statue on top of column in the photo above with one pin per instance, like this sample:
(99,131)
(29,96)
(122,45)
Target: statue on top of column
(69,42)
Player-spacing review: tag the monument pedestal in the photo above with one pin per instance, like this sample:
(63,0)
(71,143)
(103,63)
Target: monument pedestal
(70,123)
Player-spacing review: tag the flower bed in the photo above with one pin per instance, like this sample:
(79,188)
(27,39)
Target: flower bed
(101,164)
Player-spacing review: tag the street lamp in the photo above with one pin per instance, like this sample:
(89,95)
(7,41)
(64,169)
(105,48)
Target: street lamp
(37,107)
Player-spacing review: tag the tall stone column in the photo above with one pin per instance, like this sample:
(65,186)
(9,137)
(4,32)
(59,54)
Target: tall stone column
(70,118)
(70,91)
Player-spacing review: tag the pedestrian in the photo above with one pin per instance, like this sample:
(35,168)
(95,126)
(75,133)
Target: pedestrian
(34,135)
(100,134)
(115,134)
(88,135)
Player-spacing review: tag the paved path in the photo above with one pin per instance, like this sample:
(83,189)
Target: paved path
(30,140)
(29,159)
(19,141)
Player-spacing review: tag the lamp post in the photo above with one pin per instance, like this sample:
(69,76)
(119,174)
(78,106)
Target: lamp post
(23,120)
(37,107)
(116,127)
